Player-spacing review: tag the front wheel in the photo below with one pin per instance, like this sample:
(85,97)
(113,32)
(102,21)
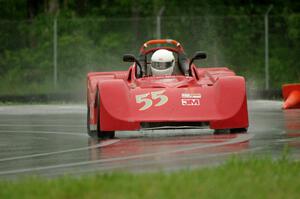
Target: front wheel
(238,130)
(88,125)
(102,134)
(230,131)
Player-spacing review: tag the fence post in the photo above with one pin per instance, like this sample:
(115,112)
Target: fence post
(158,22)
(267,77)
(55,52)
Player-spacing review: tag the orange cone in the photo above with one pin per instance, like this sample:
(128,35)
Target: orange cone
(291,96)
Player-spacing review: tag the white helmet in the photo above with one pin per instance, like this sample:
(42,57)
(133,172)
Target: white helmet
(162,62)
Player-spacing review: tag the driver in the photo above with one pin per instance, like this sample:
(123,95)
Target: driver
(162,62)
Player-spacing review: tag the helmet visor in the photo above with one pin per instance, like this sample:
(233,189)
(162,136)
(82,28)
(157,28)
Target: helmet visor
(162,65)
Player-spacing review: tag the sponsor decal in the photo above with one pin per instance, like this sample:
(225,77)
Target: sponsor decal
(190,99)
(190,102)
(191,95)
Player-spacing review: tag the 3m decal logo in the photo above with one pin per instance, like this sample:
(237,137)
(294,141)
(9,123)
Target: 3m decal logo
(190,102)
(190,99)
(147,99)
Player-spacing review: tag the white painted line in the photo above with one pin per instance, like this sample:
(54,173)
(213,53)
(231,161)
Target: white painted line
(14,119)
(239,139)
(288,139)
(42,109)
(102,144)
(44,132)
(164,161)
(40,125)
(184,158)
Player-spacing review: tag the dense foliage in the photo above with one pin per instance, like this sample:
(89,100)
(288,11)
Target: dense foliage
(93,35)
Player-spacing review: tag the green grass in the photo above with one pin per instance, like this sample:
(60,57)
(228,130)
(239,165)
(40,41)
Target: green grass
(252,178)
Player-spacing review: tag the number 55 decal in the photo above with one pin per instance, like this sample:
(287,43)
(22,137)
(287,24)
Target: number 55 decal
(149,102)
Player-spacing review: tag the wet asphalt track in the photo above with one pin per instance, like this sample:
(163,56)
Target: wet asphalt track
(51,140)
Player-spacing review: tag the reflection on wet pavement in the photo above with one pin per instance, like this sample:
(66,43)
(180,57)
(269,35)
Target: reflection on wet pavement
(56,143)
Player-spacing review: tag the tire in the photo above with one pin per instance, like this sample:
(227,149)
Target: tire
(91,133)
(221,131)
(88,126)
(238,130)
(230,131)
(102,134)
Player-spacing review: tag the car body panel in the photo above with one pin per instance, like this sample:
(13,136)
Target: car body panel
(212,95)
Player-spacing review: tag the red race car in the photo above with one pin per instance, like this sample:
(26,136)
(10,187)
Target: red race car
(164,89)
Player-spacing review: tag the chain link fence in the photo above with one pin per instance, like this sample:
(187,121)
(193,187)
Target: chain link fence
(27,50)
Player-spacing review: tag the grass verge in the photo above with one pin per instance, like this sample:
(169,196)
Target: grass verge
(251,178)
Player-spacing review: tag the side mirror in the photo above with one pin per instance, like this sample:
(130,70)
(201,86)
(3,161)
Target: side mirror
(198,55)
(132,58)
(129,58)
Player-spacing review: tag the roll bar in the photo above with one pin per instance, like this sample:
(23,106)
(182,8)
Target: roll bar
(161,41)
